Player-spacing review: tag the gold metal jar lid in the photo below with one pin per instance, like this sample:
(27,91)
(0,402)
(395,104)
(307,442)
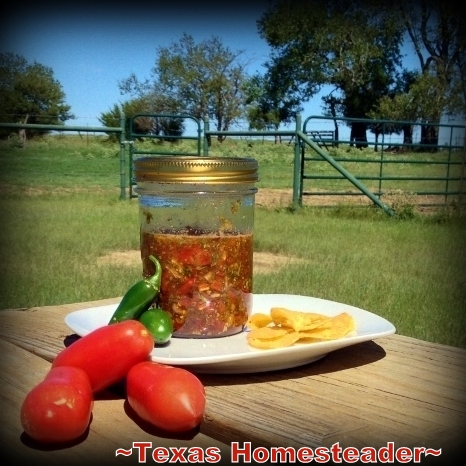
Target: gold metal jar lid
(187,169)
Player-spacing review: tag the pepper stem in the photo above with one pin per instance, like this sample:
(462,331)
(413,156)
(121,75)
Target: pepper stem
(155,279)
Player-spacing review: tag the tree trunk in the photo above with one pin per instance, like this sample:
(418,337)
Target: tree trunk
(358,134)
(277,138)
(407,134)
(333,112)
(407,139)
(220,137)
(429,136)
(22,132)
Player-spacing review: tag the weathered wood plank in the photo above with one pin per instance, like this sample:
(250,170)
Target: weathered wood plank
(346,396)
(42,330)
(111,427)
(396,389)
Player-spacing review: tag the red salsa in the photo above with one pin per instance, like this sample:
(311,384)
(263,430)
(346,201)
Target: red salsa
(206,279)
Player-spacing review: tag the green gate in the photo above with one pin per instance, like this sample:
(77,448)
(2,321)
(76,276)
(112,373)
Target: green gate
(157,134)
(425,170)
(145,135)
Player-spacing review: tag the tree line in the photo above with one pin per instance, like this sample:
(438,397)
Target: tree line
(355,48)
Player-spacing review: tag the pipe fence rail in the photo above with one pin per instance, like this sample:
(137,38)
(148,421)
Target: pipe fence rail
(372,167)
(394,165)
(91,129)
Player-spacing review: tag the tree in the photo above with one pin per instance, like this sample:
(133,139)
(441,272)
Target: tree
(135,112)
(267,106)
(436,32)
(30,94)
(343,43)
(401,104)
(332,108)
(206,79)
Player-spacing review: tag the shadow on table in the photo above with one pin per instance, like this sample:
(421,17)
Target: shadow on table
(345,358)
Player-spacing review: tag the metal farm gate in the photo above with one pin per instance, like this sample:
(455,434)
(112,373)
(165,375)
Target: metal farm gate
(319,169)
(162,127)
(432,172)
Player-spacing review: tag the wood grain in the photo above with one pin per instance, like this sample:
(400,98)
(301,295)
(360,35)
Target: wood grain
(396,389)
(28,340)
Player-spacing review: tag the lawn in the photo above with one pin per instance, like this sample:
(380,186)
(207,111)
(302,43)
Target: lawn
(61,213)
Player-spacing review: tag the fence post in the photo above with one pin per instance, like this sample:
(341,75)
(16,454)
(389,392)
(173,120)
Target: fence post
(462,175)
(297,166)
(206,142)
(122,157)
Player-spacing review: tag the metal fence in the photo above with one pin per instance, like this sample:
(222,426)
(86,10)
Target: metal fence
(322,168)
(432,173)
(336,168)
(119,130)
(154,121)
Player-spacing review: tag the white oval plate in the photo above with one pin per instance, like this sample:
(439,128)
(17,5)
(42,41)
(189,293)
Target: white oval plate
(233,355)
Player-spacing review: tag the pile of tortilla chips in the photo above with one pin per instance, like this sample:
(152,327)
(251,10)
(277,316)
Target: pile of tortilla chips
(284,327)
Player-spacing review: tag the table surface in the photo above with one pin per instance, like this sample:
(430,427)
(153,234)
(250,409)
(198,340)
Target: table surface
(394,389)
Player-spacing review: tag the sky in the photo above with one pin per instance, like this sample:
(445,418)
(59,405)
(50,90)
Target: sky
(90,49)
(92,46)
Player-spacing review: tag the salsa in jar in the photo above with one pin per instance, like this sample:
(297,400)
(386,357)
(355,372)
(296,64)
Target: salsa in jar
(206,279)
(196,216)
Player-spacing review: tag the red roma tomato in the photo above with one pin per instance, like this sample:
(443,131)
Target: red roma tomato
(59,408)
(170,398)
(108,353)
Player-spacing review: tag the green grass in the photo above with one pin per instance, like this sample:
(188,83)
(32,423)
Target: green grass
(61,163)
(409,271)
(51,245)
(60,212)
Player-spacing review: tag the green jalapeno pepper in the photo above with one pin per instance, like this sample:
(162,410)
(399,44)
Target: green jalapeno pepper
(139,297)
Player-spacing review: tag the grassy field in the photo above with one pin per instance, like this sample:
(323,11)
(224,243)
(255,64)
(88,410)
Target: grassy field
(60,214)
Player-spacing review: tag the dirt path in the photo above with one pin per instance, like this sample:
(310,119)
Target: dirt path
(267,197)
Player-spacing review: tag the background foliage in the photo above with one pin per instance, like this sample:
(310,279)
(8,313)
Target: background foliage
(355,49)
(29,93)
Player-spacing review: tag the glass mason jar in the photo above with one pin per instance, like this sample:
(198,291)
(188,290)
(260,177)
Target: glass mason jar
(197,218)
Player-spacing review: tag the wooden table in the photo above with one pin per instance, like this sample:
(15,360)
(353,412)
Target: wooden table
(395,389)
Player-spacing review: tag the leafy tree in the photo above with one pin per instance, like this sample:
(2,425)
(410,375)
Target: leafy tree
(347,44)
(128,109)
(436,32)
(401,104)
(267,106)
(206,79)
(142,124)
(29,93)
(333,108)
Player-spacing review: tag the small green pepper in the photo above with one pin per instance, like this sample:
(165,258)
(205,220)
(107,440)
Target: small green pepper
(159,323)
(139,297)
